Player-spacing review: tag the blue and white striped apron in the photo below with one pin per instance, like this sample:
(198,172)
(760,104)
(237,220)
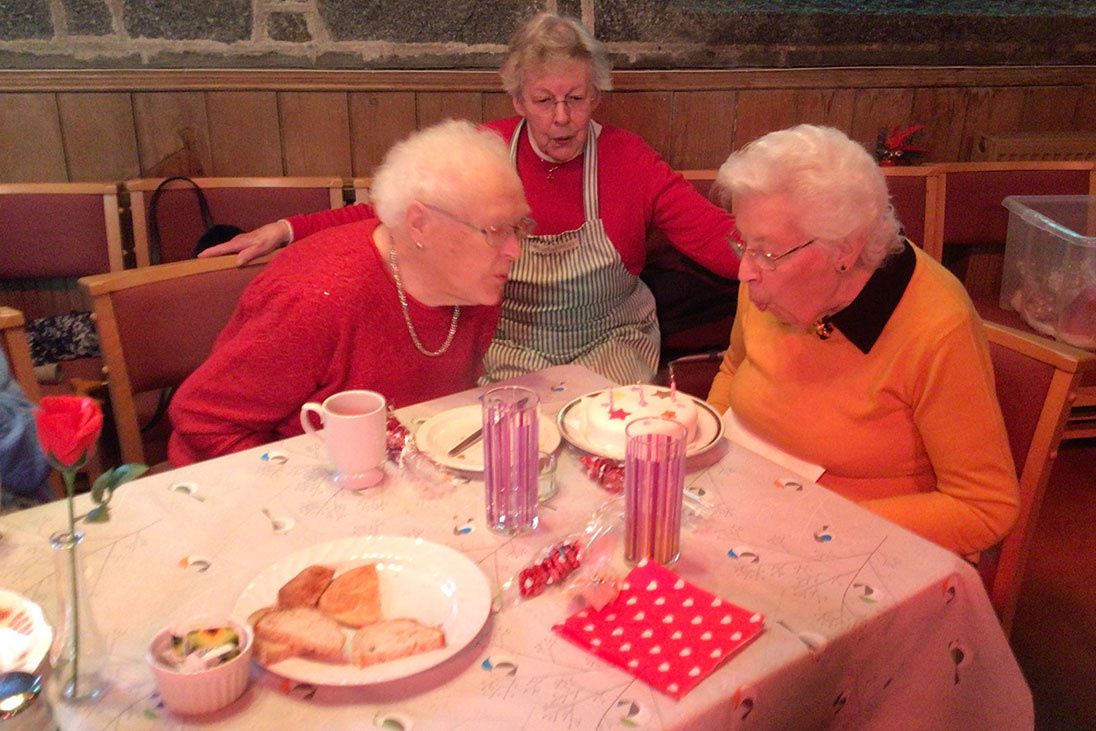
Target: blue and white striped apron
(570,299)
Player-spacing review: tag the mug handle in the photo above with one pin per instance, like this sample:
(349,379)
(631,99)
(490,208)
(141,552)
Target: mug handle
(306,423)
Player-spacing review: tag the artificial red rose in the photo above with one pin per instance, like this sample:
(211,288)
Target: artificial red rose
(68,428)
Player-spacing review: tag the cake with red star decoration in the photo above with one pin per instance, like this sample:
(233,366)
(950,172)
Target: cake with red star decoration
(607,413)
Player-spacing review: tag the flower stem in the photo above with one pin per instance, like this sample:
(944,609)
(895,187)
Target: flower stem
(74,605)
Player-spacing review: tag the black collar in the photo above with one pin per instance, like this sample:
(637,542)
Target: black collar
(862,322)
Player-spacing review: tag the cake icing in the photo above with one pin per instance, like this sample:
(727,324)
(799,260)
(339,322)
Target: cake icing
(606,418)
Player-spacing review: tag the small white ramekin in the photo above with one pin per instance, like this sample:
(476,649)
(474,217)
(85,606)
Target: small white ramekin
(207,690)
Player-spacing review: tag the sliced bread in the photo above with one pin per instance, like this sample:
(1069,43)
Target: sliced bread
(353,597)
(304,589)
(391,639)
(307,631)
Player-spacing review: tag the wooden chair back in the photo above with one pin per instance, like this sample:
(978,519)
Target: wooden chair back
(360,186)
(51,234)
(243,202)
(156,325)
(914,194)
(1036,384)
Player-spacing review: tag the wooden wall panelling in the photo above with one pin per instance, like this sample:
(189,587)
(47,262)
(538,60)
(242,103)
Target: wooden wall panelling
(497,105)
(315,133)
(990,110)
(760,111)
(874,109)
(31,147)
(829,107)
(244,133)
(647,113)
(1084,116)
(378,119)
(1049,108)
(99,135)
(172,133)
(701,129)
(433,107)
(943,111)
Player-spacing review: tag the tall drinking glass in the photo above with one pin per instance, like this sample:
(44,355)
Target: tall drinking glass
(654,481)
(510,458)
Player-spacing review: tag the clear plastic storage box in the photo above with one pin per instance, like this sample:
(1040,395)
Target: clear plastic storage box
(1050,265)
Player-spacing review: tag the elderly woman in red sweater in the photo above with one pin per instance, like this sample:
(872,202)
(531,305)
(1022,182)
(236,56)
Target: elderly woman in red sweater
(404,304)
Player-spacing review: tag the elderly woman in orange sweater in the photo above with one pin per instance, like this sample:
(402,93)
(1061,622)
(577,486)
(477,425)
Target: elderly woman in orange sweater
(854,350)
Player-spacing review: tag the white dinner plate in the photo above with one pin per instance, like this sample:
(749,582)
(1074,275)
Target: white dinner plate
(425,581)
(709,429)
(443,431)
(25,636)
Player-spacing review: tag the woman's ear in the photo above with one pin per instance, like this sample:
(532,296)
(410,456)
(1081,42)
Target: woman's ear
(848,252)
(414,220)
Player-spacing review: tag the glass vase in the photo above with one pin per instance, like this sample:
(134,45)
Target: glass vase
(78,655)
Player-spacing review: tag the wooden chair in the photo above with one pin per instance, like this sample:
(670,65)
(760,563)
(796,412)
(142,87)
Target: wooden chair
(972,222)
(243,202)
(52,234)
(156,325)
(1037,381)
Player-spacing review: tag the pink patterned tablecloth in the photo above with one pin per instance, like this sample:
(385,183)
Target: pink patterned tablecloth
(866,625)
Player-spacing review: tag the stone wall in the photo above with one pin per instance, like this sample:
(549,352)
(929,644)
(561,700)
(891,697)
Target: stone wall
(399,34)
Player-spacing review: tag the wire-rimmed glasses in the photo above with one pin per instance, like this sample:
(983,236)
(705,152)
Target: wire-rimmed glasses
(579,103)
(495,236)
(763,260)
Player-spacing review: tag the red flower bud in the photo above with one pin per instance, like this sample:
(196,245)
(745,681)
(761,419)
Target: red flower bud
(68,428)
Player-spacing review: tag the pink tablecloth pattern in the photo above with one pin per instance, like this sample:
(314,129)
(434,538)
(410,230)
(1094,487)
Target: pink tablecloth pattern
(867,626)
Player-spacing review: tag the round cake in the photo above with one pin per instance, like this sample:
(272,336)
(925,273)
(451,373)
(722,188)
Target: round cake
(606,416)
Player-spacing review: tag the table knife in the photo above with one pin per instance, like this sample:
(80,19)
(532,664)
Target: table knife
(467,442)
(477,435)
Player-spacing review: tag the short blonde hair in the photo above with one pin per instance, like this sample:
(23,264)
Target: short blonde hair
(547,37)
(438,165)
(836,189)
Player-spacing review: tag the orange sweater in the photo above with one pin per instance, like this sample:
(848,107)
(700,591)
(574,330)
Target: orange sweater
(911,429)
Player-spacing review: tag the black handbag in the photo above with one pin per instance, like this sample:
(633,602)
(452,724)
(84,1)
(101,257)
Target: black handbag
(215,233)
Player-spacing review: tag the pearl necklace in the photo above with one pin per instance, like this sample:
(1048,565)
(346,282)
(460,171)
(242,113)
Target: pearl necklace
(407,314)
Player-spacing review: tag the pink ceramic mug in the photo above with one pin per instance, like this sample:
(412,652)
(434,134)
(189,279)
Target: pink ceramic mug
(354,432)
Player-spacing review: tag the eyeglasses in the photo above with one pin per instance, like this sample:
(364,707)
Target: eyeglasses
(574,102)
(495,236)
(763,260)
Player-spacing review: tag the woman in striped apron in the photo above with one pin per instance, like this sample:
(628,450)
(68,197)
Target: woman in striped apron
(596,192)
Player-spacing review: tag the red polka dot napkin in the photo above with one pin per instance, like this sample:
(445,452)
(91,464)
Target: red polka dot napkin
(663,629)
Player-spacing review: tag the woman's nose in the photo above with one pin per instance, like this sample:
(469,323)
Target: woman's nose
(748,270)
(562,112)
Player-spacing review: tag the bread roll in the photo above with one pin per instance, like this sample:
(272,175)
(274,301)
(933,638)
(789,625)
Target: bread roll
(307,631)
(353,597)
(304,589)
(391,639)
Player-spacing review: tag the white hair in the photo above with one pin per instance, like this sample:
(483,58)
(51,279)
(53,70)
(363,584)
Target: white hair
(548,37)
(439,165)
(836,189)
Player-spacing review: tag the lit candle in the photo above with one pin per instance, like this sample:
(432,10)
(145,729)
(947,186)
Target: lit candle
(673,388)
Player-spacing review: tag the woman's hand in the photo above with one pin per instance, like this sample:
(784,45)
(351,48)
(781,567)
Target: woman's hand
(253,244)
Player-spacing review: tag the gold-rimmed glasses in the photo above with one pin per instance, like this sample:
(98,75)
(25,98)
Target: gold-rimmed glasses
(763,260)
(495,236)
